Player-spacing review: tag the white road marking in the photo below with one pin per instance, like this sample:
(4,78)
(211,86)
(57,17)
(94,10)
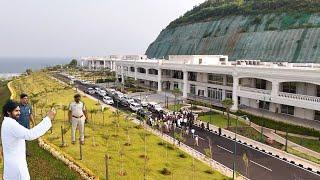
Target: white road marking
(224,149)
(261,166)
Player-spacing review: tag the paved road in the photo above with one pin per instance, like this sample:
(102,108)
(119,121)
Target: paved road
(262,166)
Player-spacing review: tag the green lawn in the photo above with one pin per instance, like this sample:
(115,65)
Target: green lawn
(173,107)
(303,155)
(219,120)
(111,139)
(308,143)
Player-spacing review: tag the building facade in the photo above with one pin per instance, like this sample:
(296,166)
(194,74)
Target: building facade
(290,89)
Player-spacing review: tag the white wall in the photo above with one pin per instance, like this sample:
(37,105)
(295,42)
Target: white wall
(304,113)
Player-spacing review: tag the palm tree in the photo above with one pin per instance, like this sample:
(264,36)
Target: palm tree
(227,103)
(176,92)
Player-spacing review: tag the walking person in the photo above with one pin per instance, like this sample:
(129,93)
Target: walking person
(77,116)
(26,115)
(13,137)
(196,139)
(192,132)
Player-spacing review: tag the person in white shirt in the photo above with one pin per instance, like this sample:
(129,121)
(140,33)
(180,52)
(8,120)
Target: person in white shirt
(13,136)
(77,116)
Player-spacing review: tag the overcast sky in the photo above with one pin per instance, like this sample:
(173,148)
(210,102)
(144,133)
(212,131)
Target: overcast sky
(73,28)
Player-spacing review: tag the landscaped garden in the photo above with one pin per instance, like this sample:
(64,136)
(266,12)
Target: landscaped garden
(133,152)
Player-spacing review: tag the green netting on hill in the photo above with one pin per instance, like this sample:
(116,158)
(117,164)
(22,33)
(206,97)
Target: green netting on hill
(269,37)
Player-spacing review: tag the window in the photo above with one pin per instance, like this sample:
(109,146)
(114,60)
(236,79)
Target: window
(318,91)
(289,87)
(178,74)
(141,70)
(200,61)
(264,105)
(192,76)
(317,115)
(153,71)
(132,69)
(200,92)
(175,85)
(261,84)
(287,109)
(229,94)
(229,80)
(101,62)
(215,79)
(214,93)
(192,89)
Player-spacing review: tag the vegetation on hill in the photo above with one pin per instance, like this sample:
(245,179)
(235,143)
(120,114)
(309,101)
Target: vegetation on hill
(214,9)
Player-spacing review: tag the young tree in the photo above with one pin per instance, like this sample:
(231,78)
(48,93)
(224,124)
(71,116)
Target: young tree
(227,103)
(103,110)
(176,92)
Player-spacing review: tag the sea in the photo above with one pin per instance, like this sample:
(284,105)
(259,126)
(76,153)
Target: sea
(14,66)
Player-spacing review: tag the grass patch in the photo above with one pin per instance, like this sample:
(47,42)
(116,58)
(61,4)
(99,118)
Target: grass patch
(272,124)
(124,158)
(176,107)
(219,120)
(308,143)
(303,155)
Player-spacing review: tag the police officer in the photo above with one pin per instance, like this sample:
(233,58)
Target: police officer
(77,116)
(25,114)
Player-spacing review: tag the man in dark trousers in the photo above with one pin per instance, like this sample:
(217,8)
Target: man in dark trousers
(25,114)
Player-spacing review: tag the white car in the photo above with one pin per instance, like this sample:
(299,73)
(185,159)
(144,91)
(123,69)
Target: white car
(107,100)
(90,91)
(102,93)
(135,106)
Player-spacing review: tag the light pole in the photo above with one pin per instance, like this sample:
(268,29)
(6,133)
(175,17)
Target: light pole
(235,146)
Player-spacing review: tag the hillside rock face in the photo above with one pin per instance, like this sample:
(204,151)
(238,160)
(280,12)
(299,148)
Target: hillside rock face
(268,37)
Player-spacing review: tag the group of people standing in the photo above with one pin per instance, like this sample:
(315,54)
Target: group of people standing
(168,122)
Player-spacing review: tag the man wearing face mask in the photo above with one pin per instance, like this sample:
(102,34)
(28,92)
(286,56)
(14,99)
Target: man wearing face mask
(13,137)
(26,115)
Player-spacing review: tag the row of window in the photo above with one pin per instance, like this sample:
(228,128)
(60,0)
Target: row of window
(213,93)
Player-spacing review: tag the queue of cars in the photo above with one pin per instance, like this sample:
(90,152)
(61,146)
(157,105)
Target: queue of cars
(113,97)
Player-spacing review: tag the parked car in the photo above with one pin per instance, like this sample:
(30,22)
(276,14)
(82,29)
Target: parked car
(155,107)
(143,113)
(124,102)
(142,102)
(135,106)
(90,91)
(108,100)
(97,90)
(102,93)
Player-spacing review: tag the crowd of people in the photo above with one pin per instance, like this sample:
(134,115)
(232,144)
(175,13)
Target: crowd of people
(168,122)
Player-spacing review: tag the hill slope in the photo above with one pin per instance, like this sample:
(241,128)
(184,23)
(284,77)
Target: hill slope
(269,30)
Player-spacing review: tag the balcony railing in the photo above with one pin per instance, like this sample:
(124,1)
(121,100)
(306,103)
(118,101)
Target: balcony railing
(261,91)
(300,97)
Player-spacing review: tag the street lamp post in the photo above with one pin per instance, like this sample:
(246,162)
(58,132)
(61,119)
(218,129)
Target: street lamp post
(235,146)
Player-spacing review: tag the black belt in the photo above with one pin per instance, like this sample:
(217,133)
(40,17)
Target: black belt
(77,116)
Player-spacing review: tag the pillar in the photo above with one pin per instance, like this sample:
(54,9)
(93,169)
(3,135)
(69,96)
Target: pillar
(234,93)
(185,84)
(159,81)
(275,89)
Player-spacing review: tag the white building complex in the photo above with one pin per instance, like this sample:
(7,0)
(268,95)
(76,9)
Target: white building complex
(282,91)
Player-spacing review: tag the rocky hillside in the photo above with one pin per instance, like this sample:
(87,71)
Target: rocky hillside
(269,30)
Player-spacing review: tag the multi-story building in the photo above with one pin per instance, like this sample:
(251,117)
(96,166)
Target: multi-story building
(283,90)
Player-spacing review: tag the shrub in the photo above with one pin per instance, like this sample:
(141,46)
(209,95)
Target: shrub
(165,171)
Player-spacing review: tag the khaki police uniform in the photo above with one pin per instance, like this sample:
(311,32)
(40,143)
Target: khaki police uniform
(78,119)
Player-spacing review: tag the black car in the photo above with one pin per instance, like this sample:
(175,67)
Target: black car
(143,113)
(124,103)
